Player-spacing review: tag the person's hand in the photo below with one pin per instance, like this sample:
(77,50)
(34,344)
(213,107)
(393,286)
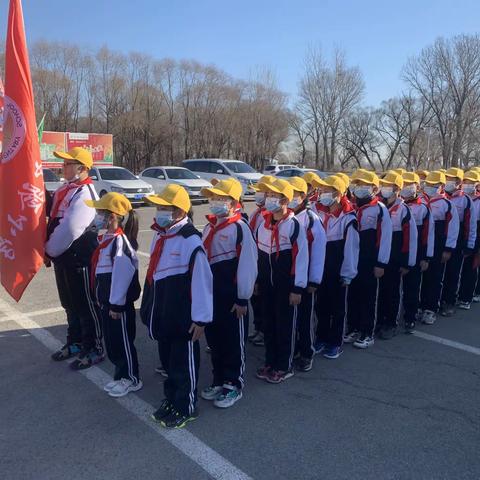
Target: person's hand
(446,256)
(403,271)
(311,289)
(115,315)
(423,265)
(239,310)
(196,331)
(378,272)
(255,289)
(295,298)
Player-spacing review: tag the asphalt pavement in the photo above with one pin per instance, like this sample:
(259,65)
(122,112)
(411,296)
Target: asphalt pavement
(407,408)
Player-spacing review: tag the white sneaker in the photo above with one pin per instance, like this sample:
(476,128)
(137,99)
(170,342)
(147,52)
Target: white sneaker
(429,317)
(364,342)
(125,386)
(351,337)
(476,299)
(110,385)
(211,393)
(463,305)
(230,395)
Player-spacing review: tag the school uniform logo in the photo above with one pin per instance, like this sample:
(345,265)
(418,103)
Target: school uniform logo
(14,130)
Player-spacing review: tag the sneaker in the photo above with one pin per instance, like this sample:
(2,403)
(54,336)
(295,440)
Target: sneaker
(263,372)
(124,387)
(447,310)
(351,337)
(364,341)
(252,335)
(230,395)
(304,364)
(319,347)
(476,299)
(409,327)
(211,393)
(429,317)
(67,351)
(387,333)
(259,340)
(164,409)
(177,420)
(464,305)
(278,376)
(87,359)
(110,385)
(332,352)
(419,314)
(161,370)
(208,349)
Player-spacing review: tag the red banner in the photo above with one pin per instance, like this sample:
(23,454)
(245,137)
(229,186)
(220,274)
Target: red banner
(1,114)
(22,192)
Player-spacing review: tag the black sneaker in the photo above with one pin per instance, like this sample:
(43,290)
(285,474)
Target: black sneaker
(69,350)
(86,359)
(164,409)
(447,310)
(409,327)
(177,420)
(304,364)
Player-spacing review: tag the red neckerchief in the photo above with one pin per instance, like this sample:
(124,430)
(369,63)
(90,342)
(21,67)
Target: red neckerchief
(313,197)
(414,201)
(346,207)
(272,225)
(61,194)
(96,253)
(214,228)
(256,214)
(157,250)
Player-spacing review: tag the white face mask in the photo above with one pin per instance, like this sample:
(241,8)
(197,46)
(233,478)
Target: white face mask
(431,191)
(272,204)
(362,191)
(327,199)
(408,191)
(295,203)
(469,189)
(219,208)
(100,221)
(163,218)
(386,192)
(450,187)
(260,199)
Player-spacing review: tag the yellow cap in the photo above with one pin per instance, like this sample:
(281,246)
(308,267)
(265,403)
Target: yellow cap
(455,172)
(442,170)
(364,176)
(333,181)
(77,154)
(392,178)
(344,177)
(410,177)
(264,179)
(229,187)
(422,173)
(113,202)
(475,169)
(434,178)
(299,184)
(472,175)
(400,171)
(172,195)
(310,176)
(278,186)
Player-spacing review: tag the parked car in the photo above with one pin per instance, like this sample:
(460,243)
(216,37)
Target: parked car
(299,172)
(209,168)
(159,177)
(274,169)
(121,180)
(52,182)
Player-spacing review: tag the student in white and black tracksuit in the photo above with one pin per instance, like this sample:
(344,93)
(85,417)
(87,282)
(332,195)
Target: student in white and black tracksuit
(232,254)
(71,241)
(316,240)
(403,255)
(177,302)
(341,265)
(469,275)
(375,231)
(465,246)
(282,278)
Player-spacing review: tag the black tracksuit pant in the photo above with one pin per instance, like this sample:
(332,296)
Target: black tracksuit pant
(411,294)
(452,277)
(257,305)
(331,310)
(305,326)
(468,279)
(119,337)
(226,338)
(83,315)
(432,280)
(389,297)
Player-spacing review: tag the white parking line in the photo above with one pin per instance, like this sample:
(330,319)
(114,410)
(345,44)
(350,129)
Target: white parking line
(448,343)
(212,462)
(47,311)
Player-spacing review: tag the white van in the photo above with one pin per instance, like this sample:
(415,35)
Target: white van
(209,168)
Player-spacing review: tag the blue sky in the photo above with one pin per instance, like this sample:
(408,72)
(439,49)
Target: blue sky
(241,36)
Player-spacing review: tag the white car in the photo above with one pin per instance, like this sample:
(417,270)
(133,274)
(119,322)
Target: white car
(274,169)
(52,182)
(209,168)
(121,180)
(159,177)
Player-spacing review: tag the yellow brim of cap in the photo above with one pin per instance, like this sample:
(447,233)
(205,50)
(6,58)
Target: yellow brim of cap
(270,188)
(63,155)
(209,191)
(158,201)
(434,183)
(386,182)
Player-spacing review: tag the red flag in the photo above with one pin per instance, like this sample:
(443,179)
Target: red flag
(1,114)
(22,192)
